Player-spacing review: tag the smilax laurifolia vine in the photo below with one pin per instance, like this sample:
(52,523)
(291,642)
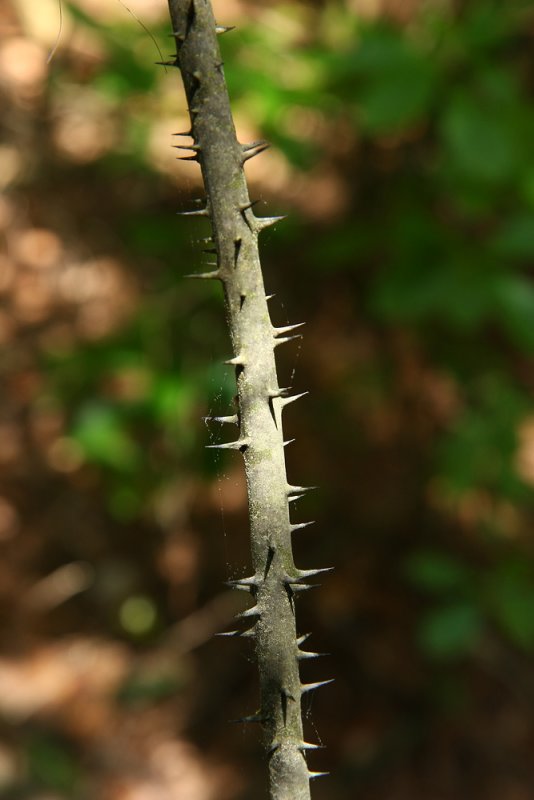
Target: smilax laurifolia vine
(276,581)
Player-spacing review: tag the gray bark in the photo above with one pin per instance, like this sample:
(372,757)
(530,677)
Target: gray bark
(235,231)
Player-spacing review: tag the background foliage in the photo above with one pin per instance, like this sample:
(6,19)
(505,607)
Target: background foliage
(401,136)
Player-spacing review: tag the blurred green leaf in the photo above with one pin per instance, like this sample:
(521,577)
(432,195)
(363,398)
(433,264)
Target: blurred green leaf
(173,399)
(510,595)
(438,573)
(480,448)
(515,239)
(515,305)
(52,766)
(385,77)
(450,631)
(101,433)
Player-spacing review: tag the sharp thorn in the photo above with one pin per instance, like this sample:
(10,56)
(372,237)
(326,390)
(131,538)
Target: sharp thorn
(238,634)
(287,329)
(236,585)
(296,588)
(245,206)
(243,583)
(266,222)
(249,612)
(310,687)
(269,297)
(281,392)
(187,158)
(300,525)
(198,212)
(195,147)
(254,145)
(252,153)
(233,419)
(300,489)
(303,638)
(288,441)
(303,746)
(303,655)
(237,361)
(183,133)
(206,276)
(294,497)
(292,398)
(285,339)
(312,775)
(237,445)
(220,29)
(249,633)
(312,573)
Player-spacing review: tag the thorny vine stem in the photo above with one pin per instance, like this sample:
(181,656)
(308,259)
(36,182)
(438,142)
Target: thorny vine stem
(235,230)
